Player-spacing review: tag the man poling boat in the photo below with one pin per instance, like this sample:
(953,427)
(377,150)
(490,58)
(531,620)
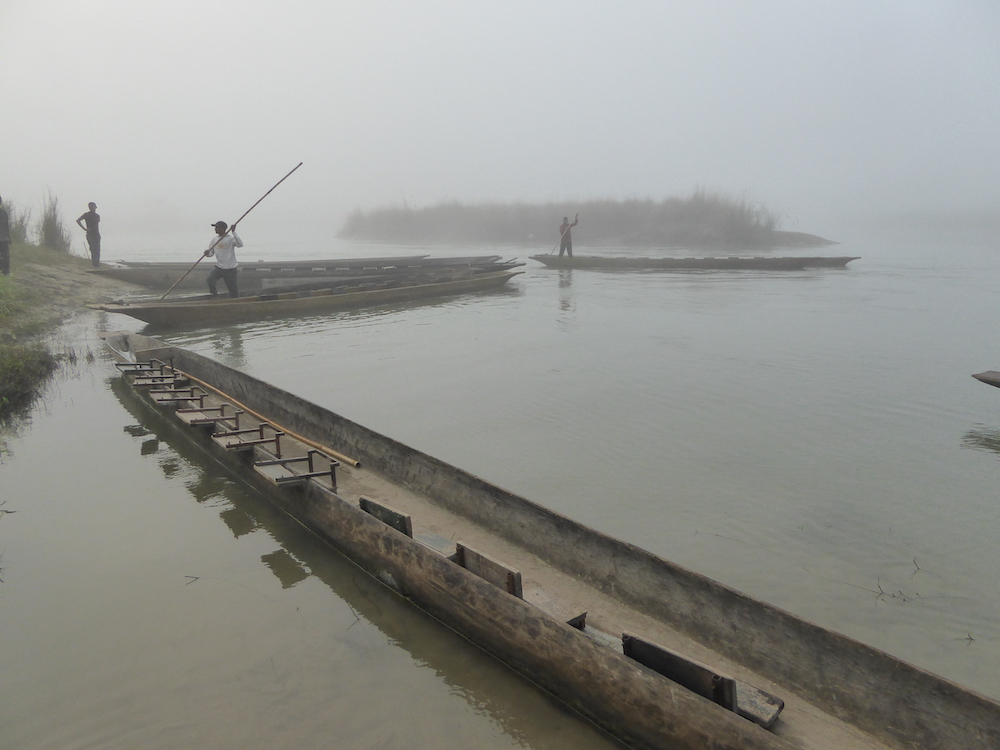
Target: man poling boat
(565,243)
(226,267)
(224,234)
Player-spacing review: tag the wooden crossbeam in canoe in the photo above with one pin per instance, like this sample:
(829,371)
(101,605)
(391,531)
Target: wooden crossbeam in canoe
(284,471)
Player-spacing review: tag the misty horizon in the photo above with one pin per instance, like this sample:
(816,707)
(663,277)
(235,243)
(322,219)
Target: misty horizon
(836,116)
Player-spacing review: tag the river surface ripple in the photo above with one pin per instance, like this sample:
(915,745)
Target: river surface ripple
(811,438)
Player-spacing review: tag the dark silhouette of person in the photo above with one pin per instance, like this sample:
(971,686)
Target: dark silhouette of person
(4,240)
(93,220)
(566,237)
(226,268)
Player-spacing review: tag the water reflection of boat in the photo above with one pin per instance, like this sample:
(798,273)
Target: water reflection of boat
(982,439)
(209,310)
(279,274)
(733,263)
(658,655)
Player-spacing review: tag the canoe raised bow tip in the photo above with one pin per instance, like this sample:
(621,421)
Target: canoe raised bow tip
(990,377)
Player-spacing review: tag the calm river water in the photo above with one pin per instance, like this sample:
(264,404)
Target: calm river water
(811,438)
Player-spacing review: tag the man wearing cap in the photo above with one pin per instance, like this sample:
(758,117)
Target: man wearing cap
(226,268)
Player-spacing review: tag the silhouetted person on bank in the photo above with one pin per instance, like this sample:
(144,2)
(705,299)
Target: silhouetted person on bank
(565,236)
(93,229)
(4,240)
(223,247)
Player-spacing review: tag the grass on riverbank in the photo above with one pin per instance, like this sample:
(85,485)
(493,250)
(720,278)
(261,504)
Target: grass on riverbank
(24,367)
(24,370)
(45,288)
(28,310)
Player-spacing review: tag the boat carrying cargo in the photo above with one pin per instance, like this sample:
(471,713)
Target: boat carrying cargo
(656,654)
(175,312)
(732,263)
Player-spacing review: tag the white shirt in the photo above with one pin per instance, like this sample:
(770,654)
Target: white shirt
(225,250)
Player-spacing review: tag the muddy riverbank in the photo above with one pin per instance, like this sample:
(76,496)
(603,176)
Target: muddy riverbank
(51,287)
(46,288)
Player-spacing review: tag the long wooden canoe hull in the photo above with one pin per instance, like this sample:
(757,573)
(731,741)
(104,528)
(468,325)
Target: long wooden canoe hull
(253,274)
(271,274)
(693,264)
(213,310)
(848,694)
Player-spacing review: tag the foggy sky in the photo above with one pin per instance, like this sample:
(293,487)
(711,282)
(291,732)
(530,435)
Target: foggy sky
(174,115)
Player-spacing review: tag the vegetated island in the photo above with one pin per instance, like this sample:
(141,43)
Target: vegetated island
(704,220)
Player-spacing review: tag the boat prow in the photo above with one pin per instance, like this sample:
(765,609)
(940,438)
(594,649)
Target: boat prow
(990,377)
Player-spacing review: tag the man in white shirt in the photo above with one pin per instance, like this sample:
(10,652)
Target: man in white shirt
(226,268)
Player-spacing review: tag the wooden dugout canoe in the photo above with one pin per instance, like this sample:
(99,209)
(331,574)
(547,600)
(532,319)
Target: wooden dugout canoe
(162,275)
(273,274)
(207,310)
(734,263)
(595,621)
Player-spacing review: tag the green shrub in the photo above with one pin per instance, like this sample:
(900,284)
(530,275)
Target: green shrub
(25,363)
(50,230)
(20,221)
(8,300)
(24,370)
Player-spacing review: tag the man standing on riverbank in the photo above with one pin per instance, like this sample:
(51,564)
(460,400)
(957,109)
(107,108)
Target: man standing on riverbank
(4,240)
(566,237)
(226,268)
(93,220)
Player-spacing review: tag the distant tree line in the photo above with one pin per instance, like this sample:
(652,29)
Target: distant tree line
(704,218)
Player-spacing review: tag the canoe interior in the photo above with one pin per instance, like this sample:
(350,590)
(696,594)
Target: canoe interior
(836,692)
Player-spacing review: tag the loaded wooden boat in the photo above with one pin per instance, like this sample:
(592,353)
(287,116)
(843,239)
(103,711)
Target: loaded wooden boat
(280,274)
(208,310)
(657,655)
(733,263)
